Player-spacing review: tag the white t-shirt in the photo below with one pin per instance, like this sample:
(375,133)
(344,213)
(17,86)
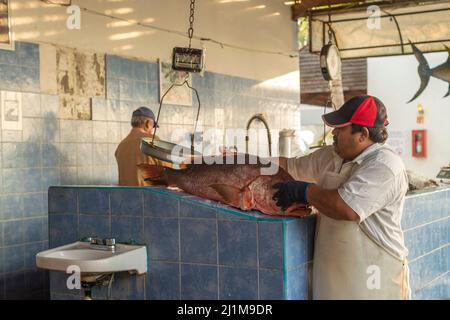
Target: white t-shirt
(375,189)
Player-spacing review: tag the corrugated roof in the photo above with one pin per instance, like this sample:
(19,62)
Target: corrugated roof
(314,89)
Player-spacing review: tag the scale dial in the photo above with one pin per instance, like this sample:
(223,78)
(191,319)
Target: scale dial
(188,59)
(330,62)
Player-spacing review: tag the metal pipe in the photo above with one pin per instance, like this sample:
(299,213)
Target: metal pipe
(261,118)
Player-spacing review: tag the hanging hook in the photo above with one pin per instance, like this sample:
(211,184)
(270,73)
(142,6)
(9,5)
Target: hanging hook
(185,82)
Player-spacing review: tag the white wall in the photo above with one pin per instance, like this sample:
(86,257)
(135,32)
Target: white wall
(395,80)
(258,24)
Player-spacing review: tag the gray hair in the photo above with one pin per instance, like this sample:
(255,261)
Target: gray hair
(139,121)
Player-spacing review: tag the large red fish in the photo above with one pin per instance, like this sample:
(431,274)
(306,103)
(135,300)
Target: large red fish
(239,185)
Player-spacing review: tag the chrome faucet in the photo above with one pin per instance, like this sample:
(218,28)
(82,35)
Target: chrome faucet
(261,118)
(108,244)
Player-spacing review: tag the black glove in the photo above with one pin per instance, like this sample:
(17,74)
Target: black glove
(290,192)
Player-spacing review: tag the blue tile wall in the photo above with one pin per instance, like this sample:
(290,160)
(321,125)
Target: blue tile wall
(31,250)
(198,241)
(23,216)
(238,283)
(93,225)
(270,245)
(33,230)
(20,68)
(162,238)
(126,229)
(271,285)
(297,280)
(159,205)
(14,258)
(163,281)
(94,201)
(62,200)
(425,220)
(33,204)
(11,207)
(200,209)
(296,232)
(237,243)
(198,282)
(127,202)
(13,232)
(63,229)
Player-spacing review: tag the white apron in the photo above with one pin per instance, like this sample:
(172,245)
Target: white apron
(350,265)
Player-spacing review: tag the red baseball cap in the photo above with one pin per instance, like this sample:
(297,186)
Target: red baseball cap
(367,111)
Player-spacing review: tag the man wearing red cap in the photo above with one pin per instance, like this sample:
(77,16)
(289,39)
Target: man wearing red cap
(358,187)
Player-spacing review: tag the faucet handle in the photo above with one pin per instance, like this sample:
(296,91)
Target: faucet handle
(110,241)
(86,239)
(96,241)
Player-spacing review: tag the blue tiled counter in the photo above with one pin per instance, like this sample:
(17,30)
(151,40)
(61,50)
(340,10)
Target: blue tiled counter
(426,223)
(197,249)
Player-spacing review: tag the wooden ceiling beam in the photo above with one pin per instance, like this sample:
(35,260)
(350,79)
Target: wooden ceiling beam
(302,8)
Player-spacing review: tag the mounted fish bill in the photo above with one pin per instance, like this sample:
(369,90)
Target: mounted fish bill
(239,185)
(441,72)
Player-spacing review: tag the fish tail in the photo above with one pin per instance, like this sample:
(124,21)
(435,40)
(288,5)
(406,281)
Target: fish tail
(448,91)
(152,173)
(423,69)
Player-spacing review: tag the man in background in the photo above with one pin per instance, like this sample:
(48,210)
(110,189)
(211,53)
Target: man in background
(128,153)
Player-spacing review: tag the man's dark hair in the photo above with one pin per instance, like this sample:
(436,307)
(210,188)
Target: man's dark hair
(378,135)
(139,121)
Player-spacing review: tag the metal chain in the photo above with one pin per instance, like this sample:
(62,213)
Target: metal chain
(330,33)
(191,22)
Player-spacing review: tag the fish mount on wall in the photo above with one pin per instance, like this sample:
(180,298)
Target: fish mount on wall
(425,72)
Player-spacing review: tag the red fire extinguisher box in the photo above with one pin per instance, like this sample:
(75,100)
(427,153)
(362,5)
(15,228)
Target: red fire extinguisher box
(419,143)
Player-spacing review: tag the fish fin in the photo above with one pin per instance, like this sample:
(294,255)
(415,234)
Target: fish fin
(247,200)
(151,173)
(298,210)
(423,70)
(240,198)
(448,51)
(448,92)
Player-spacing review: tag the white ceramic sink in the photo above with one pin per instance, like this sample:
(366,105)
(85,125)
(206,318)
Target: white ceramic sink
(125,258)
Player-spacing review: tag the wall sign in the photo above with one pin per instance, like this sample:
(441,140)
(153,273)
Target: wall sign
(11,110)
(397,140)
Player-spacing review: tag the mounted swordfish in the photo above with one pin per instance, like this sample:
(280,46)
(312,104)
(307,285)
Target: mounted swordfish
(223,179)
(425,72)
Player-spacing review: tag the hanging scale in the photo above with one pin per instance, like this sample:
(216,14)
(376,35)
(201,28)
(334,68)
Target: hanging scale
(189,59)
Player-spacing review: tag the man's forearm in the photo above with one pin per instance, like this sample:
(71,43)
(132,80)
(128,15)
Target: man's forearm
(281,161)
(330,203)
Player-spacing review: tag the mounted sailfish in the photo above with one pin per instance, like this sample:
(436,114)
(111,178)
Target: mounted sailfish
(441,72)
